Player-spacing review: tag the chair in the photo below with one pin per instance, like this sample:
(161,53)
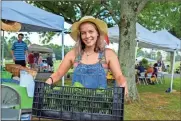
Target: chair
(142,78)
(160,77)
(148,76)
(10,99)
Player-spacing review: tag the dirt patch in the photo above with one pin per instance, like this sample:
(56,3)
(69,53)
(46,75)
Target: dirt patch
(153,100)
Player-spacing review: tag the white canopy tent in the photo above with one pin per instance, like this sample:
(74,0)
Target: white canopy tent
(165,36)
(175,44)
(162,40)
(39,48)
(140,59)
(146,38)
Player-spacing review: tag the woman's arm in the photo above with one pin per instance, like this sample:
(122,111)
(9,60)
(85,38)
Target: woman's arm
(63,68)
(114,66)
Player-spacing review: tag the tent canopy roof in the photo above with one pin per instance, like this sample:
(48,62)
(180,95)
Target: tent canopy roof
(174,42)
(32,19)
(39,48)
(146,38)
(140,59)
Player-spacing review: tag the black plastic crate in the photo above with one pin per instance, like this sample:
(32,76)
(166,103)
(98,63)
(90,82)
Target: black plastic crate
(74,103)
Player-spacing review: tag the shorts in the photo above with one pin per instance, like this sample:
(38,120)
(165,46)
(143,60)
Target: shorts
(21,62)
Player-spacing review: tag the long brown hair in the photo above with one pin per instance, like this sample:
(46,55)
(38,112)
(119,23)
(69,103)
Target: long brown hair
(100,43)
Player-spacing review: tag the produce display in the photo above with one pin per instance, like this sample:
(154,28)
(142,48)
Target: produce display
(77,102)
(78,99)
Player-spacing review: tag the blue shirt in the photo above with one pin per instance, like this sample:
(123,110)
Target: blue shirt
(19,49)
(141,69)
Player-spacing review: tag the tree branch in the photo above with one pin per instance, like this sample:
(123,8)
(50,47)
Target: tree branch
(110,11)
(79,8)
(141,5)
(47,7)
(97,14)
(86,9)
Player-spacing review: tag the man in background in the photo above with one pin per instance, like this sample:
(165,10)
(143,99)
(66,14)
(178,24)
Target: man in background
(19,51)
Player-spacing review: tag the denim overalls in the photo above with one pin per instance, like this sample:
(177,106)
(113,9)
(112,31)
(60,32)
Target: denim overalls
(90,75)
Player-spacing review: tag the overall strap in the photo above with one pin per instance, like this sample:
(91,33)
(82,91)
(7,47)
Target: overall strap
(102,61)
(77,61)
(78,58)
(102,58)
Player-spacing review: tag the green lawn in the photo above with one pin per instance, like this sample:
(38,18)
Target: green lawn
(155,103)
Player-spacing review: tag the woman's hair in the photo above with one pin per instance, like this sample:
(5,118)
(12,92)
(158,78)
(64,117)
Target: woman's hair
(99,46)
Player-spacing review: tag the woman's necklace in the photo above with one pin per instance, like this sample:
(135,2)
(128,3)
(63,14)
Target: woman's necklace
(87,55)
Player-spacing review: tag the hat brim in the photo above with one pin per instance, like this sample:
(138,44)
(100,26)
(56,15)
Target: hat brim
(101,26)
(13,26)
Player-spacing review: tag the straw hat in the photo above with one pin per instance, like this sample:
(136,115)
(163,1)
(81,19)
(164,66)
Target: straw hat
(101,25)
(10,26)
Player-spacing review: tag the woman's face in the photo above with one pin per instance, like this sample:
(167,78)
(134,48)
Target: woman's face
(89,34)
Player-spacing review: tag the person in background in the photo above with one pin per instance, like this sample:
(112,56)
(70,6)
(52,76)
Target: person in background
(159,63)
(50,62)
(90,58)
(140,68)
(31,60)
(19,51)
(40,58)
(44,66)
(40,61)
(36,57)
(149,70)
(154,74)
(155,69)
(167,68)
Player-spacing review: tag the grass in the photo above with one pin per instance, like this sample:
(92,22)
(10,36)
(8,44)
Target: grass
(155,104)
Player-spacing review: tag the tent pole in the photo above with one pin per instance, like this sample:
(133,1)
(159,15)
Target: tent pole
(137,41)
(2,49)
(173,63)
(63,79)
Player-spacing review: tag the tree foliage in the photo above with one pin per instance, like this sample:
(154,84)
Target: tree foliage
(72,11)
(162,15)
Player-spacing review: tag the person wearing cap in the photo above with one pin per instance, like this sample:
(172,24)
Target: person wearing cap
(19,51)
(90,59)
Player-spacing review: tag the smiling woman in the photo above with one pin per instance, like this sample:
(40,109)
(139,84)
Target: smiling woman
(90,59)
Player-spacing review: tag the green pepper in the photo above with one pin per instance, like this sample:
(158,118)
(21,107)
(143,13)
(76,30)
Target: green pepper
(77,84)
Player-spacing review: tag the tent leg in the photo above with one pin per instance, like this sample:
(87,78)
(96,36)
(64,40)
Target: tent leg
(2,49)
(137,41)
(173,63)
(63,79)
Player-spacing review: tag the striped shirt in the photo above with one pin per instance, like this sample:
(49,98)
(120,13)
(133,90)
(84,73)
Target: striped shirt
(19,49)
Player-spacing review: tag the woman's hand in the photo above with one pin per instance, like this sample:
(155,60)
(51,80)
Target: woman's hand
(124,84)
(49,81)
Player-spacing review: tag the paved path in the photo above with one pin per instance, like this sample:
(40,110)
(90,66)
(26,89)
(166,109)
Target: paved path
(175,75)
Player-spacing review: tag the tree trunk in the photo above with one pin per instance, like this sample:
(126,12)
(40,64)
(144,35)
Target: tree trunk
(127,44)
